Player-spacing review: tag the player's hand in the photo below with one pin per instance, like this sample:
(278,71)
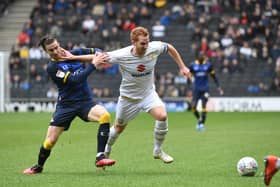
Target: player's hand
(65,55)
(99,60)
(186,72)
(221,91)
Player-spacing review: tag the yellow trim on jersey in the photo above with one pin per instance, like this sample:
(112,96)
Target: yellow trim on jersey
(212,72)
(65,77)
(203,110)
(104,118)
(197,62)
(92,50)
(47,144)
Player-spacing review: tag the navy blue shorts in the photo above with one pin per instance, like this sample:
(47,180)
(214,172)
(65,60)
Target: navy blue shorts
(64,115)
(197,95)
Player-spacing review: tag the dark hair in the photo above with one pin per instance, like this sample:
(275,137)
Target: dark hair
(46,40)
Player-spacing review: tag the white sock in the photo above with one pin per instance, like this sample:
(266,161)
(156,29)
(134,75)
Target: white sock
(161,129)
(98,154)
(113,135)
(278,163)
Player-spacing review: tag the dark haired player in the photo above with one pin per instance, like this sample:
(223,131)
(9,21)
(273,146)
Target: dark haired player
(200,70)
(75,99)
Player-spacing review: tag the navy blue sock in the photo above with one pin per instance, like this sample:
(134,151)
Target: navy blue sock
(43,156)
(102,136)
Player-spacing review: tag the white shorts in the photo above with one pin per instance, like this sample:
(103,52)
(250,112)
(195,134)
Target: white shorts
(128,109)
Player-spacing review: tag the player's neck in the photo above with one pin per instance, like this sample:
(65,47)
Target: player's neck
(138,53)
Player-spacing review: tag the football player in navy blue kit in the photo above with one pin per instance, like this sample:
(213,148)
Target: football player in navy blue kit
(200,70)
(75,99)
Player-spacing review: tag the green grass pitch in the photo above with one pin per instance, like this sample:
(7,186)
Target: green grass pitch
(206,159)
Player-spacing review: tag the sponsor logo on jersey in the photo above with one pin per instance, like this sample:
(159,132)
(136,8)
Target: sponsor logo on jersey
(141,74)
(141,68)
(60,74)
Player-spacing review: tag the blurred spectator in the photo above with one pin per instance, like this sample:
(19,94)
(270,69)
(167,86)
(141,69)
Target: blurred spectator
(180,79)
(166,18)
(80,8)
(33,72)
(246,51)
(97,92)
(56,28)
(60,6)
(98,9)
(182,91)
(88,24)
(161,91)
(106,92)
(72,23)
(275,85)
(216,9)
(172,91)
(145,13)
(225,67)
(23,38)
(275,51)
(257,46)
(25,85)
(3,7)
(158,30)
(253,88)
(268,70)
(236,67)
(169,78)
(24,52)
(128,25)
(110,10)
(16,81)
(35,53)
(52,93)
(277,67)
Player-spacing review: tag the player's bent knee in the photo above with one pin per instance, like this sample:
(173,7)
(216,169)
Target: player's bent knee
(48,144)
(105,118)
(162,117)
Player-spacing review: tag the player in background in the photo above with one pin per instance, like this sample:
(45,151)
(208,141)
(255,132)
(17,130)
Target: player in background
(272,165)
(137,91)
(200,69)
(75,99)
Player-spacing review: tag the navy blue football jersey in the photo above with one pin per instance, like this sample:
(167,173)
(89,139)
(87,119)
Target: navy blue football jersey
(200,73)
(70,77)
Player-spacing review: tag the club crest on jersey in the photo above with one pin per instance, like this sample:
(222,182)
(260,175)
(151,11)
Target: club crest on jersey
(152,55)
(60,74)
(141,68)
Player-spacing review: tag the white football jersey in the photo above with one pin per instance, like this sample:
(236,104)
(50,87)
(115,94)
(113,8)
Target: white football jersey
(137,72)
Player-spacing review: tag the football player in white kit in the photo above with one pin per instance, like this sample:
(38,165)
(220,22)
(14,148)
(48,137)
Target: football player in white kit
(137,91)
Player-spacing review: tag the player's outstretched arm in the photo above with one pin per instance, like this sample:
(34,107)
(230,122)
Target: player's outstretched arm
(99,60)
(172,51)
(213,75)
(66,55)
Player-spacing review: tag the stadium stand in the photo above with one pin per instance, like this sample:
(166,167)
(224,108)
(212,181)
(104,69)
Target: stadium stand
(241,38)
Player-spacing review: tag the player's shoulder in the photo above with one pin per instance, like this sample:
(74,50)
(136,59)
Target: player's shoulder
(157,46)
(156,43)
(53,66)
(121,51)
(83,51)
